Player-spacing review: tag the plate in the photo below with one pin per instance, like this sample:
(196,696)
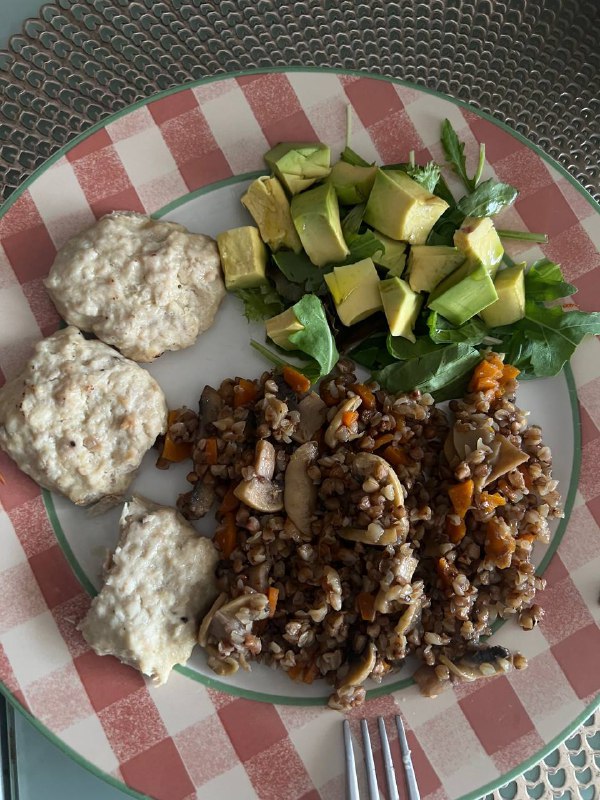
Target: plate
(186,155)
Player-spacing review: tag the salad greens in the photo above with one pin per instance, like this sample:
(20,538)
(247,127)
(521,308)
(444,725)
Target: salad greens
(442,356)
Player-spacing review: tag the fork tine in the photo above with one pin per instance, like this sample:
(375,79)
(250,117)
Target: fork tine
(388,764)
(371,774)
(409,770)
(351,777)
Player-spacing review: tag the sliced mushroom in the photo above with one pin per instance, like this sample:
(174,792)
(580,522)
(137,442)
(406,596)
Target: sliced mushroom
(376,535)
(462,440)
(223,666)
(208,617)
(409,619)
(365,464)
(351,404)
(505,457)
(264,459)
(300,493)
(260,494)
(360,671)
(210,406)
(428,682)
(198,502)
(224,616)
(312,412)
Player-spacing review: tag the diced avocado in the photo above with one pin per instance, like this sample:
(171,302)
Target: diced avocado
(478,240)
(401,306)
(464,293)
(428,265)
(280,327)
(510,305)
(243,257)
(352,184)
(316,216)
(402,209)
(268,204)
(299,164)
(394,257)
(355,291)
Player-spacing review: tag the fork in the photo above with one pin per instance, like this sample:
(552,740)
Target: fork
(388,764)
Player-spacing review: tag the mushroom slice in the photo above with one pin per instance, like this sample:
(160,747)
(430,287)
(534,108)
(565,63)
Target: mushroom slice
(225,616)
(408,619)
(264,459)
(351,404)
(300,493)
(312,412)
(208,617)
(506,457)
(376,535)
(365,465)
(360,671)
(210,406)
(260,494)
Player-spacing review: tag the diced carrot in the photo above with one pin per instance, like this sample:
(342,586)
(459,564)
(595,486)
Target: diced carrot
(499,542)
(244,392)
(509,373)
(229,502)
(211,451)
(175,451)
(310,673)
(298,382)
(396,456)
(456,533)
(527,537)
(226,535)
(366,606)
(487,374)
(446,571)
(296,672)
(461,496)
(349,418)
(386,438)
(488,502)
(272,595)
(365,394)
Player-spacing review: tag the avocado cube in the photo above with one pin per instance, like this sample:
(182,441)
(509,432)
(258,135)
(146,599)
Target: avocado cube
(299,164)
(402,209)
(280,327)
(510,305)
(478,241)
(464,293)
(267,202)
(316,217)
(243,258)
(355,291)
(401,306)
(394,256)
(352,184)
(428,265)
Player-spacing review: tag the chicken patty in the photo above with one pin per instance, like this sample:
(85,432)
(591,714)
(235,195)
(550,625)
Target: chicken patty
(160,581)
(142,285)
(80,416)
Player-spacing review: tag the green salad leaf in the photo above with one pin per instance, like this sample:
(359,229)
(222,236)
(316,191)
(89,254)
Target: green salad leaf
(489,198)
(454,150)
(544,281)
(350,157)
(443,332)
(260,303)
(353,219)
(402,349)
(427,176)
(316,339)
(372,353)
(362,245)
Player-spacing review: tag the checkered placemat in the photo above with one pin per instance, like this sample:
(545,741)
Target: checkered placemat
(185,740)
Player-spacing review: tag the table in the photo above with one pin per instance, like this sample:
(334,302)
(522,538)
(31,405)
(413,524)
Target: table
(533,64)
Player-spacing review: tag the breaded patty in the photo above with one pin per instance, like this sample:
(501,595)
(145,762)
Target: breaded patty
(80,416)
(160,582)
(142,285)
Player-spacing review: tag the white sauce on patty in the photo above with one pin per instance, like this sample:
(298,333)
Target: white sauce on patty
(142,285)
(79,417)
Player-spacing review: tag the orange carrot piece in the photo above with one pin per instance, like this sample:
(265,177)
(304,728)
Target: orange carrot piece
(229,502)
(175,451)
(509,373)
(386,438)
(365,394)
(272,595)
(461,496)
(296,672)
(456,533)
(349,418)
(487,374)
(310,673)
(396,456)
(244,392)
(446,571)
(488,502)
(298,382)
(211,451)
(226,535)
(366,606)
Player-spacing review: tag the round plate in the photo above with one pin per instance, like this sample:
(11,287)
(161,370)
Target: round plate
(187,155)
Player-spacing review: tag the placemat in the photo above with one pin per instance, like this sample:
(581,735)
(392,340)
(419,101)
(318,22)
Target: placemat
(533,64)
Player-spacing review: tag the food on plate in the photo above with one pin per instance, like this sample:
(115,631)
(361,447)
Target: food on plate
(394,246)
(358,527)
(159,583)
(142,285)
(80,416)
(243,257)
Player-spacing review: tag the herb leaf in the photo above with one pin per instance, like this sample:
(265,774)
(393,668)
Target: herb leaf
(353,219)
(299,269)
(350,157)
(260,303)
(443,332)
(402,350)
(454,150)
(362,245)
(316,339)
(432,372)
(489,198)
(371,352)
(427,176)
(544,281)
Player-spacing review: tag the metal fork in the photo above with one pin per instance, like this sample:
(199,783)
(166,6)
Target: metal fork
(388,764)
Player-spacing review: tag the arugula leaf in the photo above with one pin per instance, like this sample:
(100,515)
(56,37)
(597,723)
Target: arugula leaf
(371,352)
(443,190)
(362,245)
(489,198)
(350,157)
(260,303)
(454,150)
(431,372)
(443,230)
(544,281)
(299,269)
(308,368)
(427,176)
(353,219)
(443,332)
(315,339)
(402,349)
